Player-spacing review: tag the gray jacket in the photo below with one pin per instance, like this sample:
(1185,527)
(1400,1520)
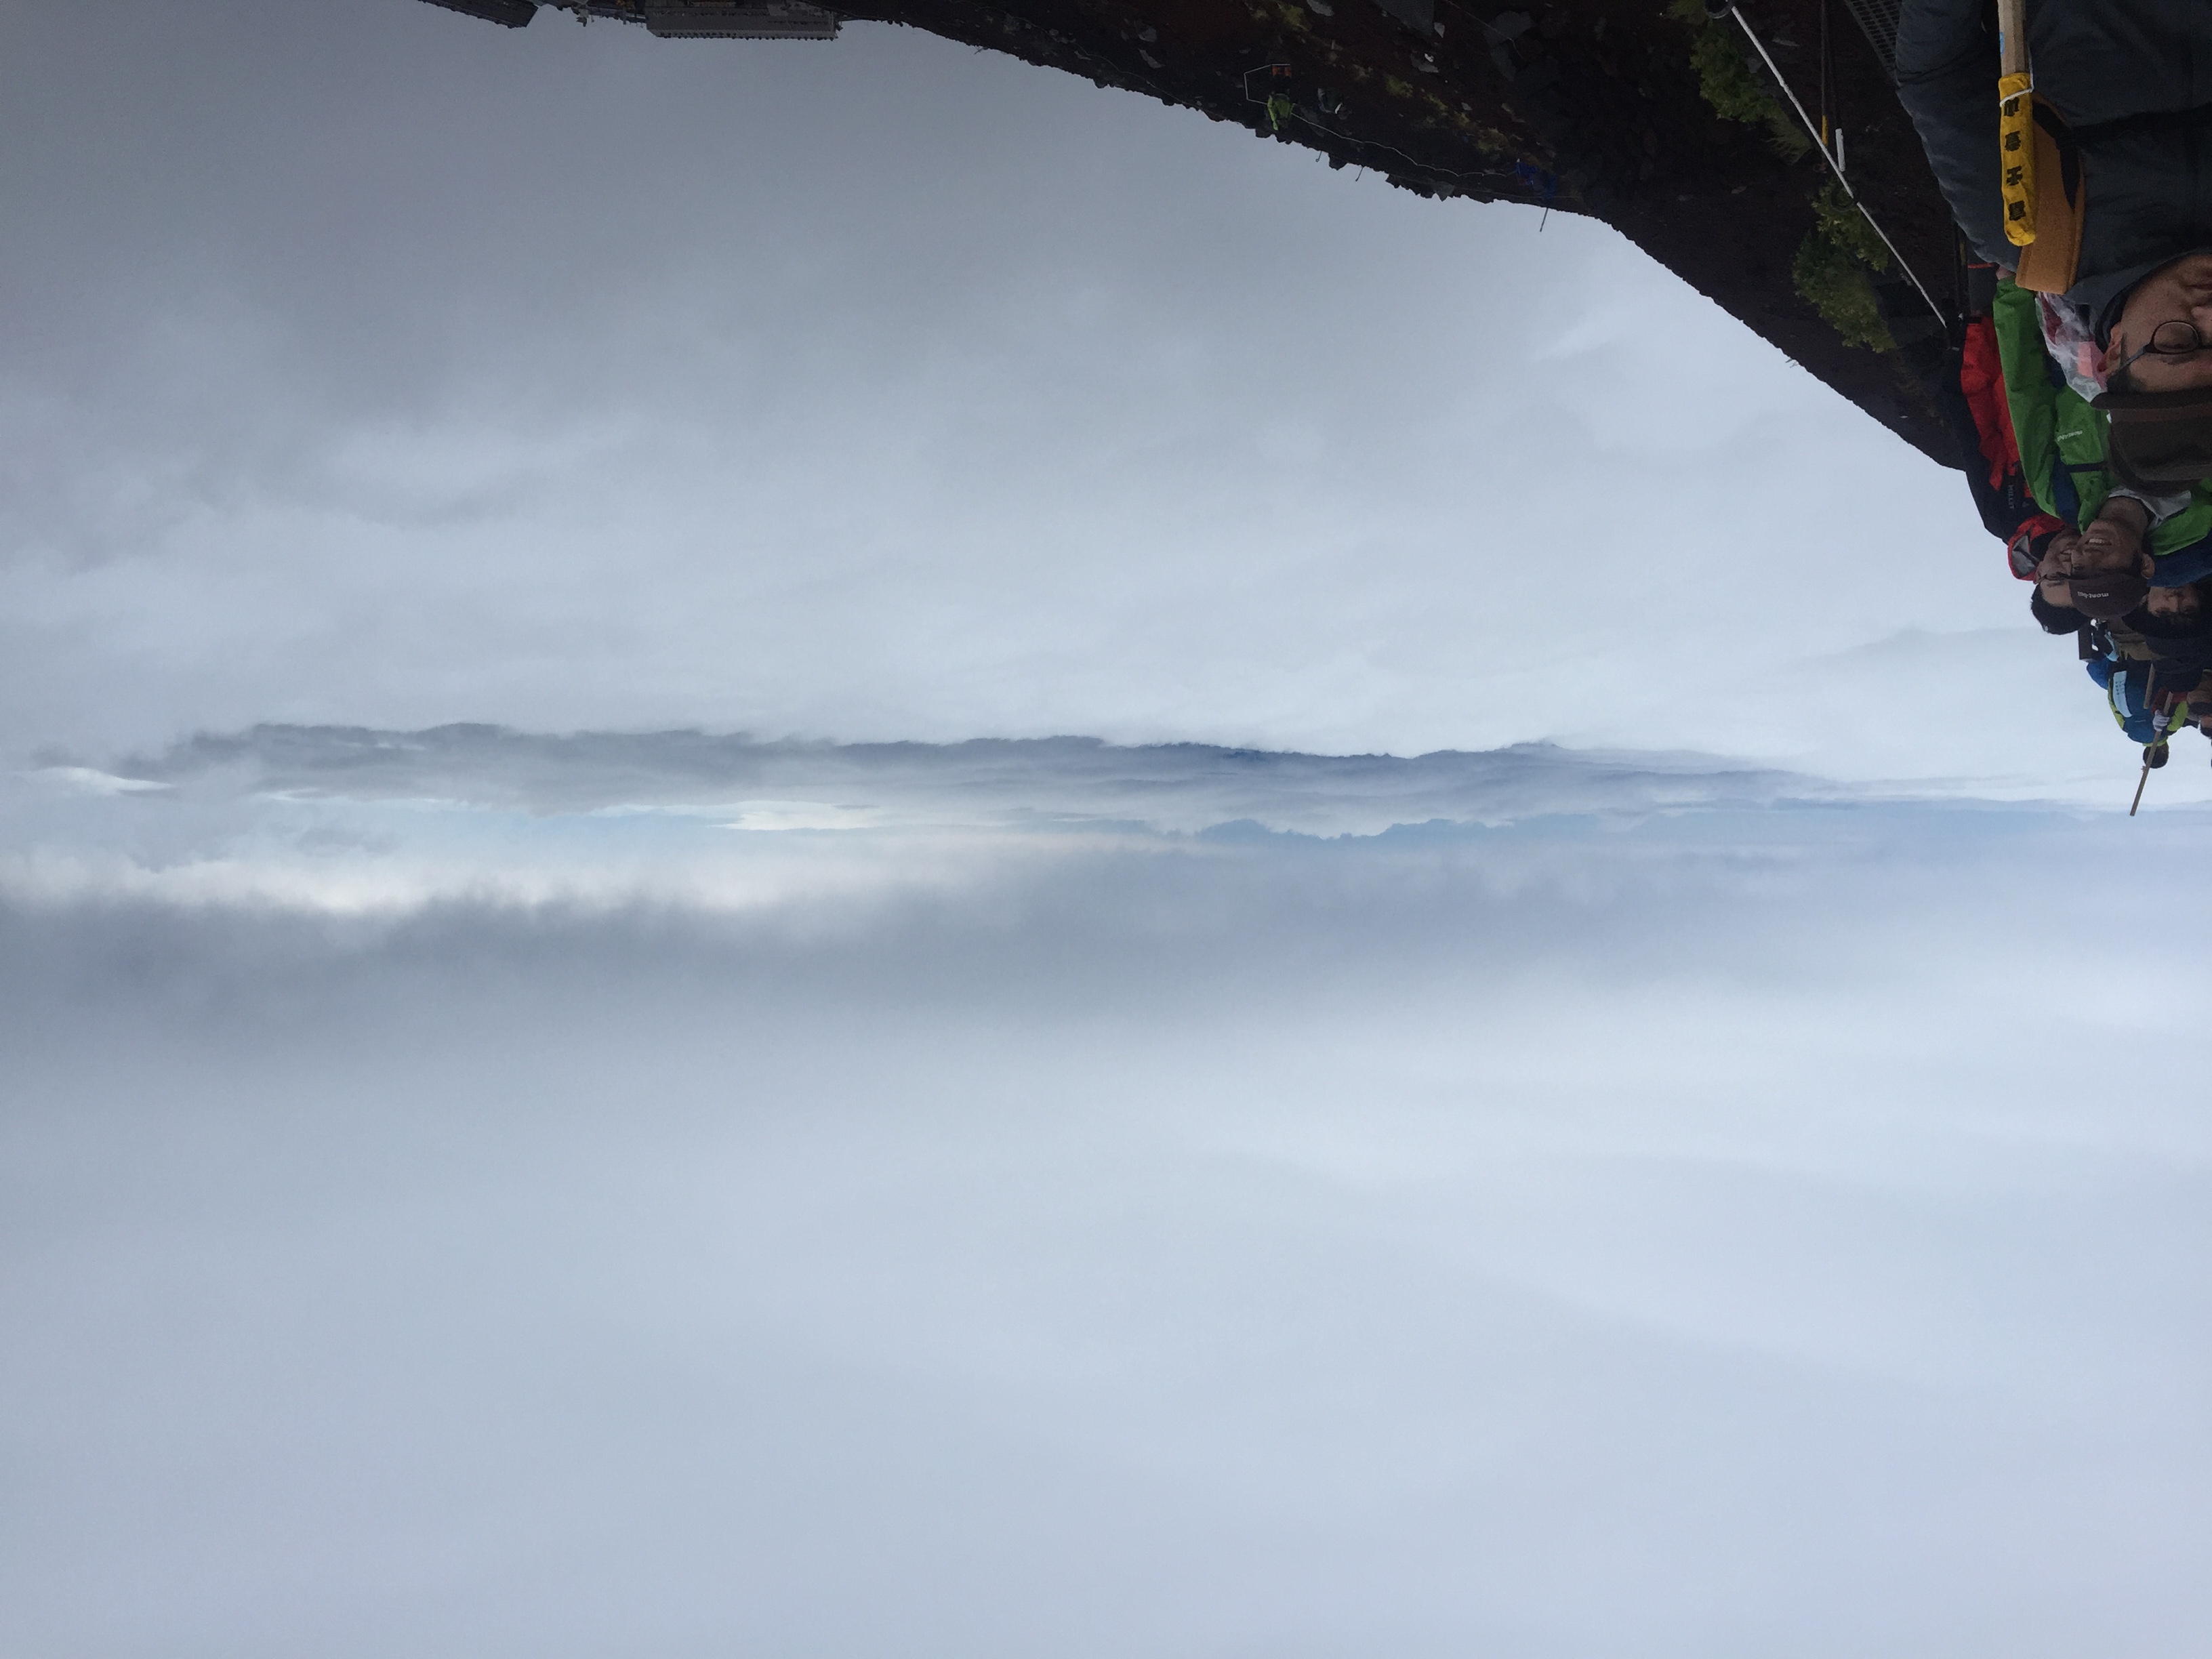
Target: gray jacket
(2132,78)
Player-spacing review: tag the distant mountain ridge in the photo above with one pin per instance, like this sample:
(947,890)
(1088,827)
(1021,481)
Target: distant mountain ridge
(1183,786)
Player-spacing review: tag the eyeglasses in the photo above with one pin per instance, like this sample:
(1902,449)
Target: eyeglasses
(2173,339)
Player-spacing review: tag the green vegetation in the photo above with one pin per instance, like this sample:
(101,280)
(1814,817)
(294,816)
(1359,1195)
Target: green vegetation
(1830,271)
(1837,218)
(1726,82)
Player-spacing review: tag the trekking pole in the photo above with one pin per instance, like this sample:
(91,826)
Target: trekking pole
(1724,9)
(2015,123)
(2158,749)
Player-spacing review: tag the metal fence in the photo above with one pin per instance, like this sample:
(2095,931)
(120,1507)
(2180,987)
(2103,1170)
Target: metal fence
(1878,19)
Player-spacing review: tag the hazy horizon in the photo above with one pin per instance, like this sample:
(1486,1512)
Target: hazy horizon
(838,850)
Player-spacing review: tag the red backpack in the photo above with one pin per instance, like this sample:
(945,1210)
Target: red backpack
(1981,382)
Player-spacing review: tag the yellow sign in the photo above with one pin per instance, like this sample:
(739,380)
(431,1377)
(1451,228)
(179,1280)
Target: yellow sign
(2016,158)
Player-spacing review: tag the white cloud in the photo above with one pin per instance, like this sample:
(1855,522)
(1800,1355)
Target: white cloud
(90,781)
(351,821)
(1565,1240)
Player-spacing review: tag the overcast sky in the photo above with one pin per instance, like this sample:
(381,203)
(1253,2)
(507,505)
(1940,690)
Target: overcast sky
(833,849)
(372,364)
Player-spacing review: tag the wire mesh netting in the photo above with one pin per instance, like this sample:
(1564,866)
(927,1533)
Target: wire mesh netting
(1878,19)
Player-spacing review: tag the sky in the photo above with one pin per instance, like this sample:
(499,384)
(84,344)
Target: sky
(837,849)
(371,365)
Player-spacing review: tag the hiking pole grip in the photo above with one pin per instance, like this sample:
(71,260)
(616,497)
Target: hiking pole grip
(2016,124)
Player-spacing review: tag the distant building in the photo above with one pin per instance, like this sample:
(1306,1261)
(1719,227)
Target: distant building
(726,19)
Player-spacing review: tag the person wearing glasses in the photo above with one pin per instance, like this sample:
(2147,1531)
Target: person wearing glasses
(2158,378)
(2123,195)
(2037,422)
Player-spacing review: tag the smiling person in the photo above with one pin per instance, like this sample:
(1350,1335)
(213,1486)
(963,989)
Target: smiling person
(2158,341)
(2105,575)
(2154,664)
(2159,378)
(2036,418)
(2102,572)
(2124,204)
(2148,648)
(2051,602)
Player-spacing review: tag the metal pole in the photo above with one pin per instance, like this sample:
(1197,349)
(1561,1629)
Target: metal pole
(1823,71)
(1760,46)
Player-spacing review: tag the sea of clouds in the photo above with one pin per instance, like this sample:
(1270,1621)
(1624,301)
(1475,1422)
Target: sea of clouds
(1442,1129)
(477,1192)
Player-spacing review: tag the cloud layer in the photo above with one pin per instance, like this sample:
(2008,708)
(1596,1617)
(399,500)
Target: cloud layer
(1639,1233)
(1179,787)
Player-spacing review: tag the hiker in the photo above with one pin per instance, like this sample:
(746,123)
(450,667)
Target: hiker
(2105,573)
(2124,197)
(2126,674)
(2035,446)
(2130,692)
(2154,668)
(1975,406)
(2062,435)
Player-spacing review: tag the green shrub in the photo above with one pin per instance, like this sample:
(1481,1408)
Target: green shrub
(1838,218)
(1830,270)
(1728,85)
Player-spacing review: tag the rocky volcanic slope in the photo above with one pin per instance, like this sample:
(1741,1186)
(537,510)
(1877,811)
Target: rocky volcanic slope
(1609,108)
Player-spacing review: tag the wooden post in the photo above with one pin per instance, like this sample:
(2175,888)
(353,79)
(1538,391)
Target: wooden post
(2016,124)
